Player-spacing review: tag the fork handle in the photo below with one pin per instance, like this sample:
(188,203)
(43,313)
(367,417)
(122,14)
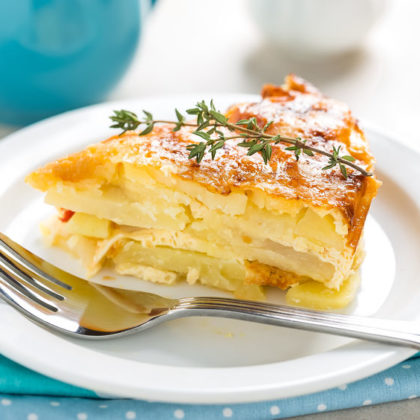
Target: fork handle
(373,329)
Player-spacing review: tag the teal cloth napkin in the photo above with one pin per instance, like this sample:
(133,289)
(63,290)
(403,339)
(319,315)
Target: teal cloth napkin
(27,395)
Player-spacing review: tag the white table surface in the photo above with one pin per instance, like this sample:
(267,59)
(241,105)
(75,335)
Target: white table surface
(192,46)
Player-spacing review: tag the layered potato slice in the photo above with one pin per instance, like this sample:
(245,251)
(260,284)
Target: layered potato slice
(140,205)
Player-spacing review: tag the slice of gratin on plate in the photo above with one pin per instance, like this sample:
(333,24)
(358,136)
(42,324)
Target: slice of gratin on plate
(141,206)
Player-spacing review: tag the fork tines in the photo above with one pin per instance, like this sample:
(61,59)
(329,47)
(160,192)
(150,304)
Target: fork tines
(22,276)
(15,252)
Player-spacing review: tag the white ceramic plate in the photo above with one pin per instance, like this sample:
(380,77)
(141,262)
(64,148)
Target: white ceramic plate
(203,360)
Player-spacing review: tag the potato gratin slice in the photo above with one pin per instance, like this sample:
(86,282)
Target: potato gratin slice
(141,206)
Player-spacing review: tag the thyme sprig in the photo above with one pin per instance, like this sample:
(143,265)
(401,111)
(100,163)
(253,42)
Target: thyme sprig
(253,137)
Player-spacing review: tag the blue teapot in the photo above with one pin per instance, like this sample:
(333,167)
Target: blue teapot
(57,55)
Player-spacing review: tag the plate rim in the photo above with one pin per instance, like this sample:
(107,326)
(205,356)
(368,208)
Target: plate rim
(385,357)
(382,356)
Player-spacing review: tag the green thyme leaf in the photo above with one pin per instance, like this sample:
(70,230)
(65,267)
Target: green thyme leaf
(178,126)
(215,147)
(220,118)
(336,152)
(149,116)
(179,116)
(147,130)
(125,120)
(267,126)
(205,124)
(202,105)
(268,152)
(204,135)
(255,148)
(252,125)
(242,122)
(343,170)
(197,151)
(330,166)
(247,144)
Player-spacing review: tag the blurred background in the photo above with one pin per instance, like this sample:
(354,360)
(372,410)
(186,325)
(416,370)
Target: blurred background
(363,52)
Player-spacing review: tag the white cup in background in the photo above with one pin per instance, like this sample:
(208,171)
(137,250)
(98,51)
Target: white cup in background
(316,27)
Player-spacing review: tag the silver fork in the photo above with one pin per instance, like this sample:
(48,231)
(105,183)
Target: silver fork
(62,302)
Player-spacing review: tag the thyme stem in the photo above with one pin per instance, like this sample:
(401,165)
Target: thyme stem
(255,139)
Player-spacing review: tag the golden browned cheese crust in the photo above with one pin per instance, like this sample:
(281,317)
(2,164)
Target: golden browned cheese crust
(296,108)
